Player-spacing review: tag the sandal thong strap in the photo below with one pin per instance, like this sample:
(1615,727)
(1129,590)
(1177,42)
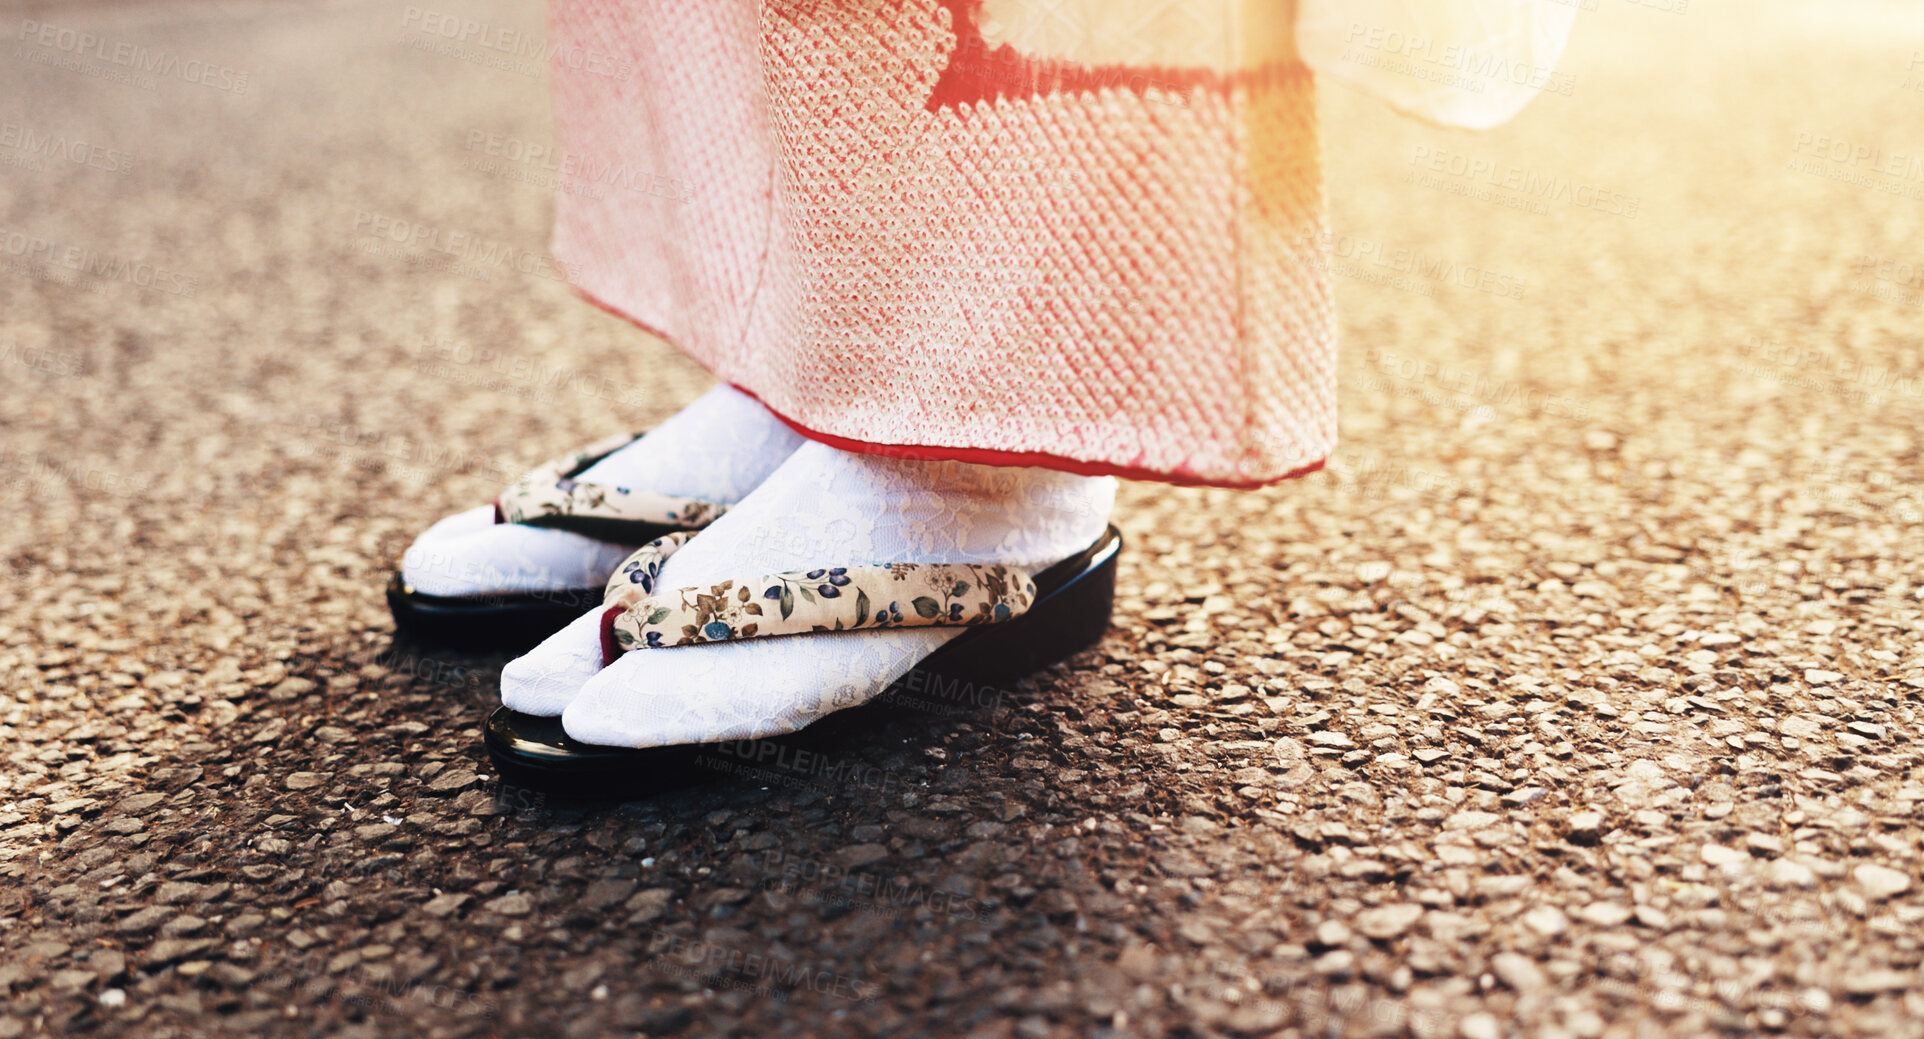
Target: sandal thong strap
(550,496)
(800,602)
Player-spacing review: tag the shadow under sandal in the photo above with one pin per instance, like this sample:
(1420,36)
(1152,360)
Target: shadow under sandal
(1020,623)
(548,496)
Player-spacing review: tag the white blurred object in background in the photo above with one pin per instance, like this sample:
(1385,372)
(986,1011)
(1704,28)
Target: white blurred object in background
(1465,63)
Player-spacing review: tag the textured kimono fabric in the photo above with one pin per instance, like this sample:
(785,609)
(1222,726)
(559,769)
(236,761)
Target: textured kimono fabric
(1082,235)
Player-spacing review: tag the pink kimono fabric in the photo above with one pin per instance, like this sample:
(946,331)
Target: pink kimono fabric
(906,234)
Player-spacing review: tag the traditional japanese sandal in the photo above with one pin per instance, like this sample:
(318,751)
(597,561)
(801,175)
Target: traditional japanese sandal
(548,496)
(1021,623)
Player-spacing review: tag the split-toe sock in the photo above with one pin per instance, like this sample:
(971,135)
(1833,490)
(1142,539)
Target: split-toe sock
(822,508)
(716,449)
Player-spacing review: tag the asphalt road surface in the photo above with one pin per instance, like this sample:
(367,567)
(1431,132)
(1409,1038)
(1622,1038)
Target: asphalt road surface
(1578,697)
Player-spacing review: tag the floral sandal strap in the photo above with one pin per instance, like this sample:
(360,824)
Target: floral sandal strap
(800,602)
(550,496)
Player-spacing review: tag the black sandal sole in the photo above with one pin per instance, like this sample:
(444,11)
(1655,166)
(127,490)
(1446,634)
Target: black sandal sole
(511,623)
(507,622)
(1071,613)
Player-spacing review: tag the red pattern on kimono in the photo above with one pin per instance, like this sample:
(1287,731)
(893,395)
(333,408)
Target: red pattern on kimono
(904,239)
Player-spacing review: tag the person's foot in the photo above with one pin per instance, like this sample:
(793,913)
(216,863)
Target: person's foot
(715,449)
(822,508)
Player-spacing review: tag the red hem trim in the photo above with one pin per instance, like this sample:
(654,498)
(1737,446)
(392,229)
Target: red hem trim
(1042,459)
(977,73)
(970,455)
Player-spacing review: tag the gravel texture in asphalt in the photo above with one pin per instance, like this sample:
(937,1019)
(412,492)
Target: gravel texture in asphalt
(1578,697)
